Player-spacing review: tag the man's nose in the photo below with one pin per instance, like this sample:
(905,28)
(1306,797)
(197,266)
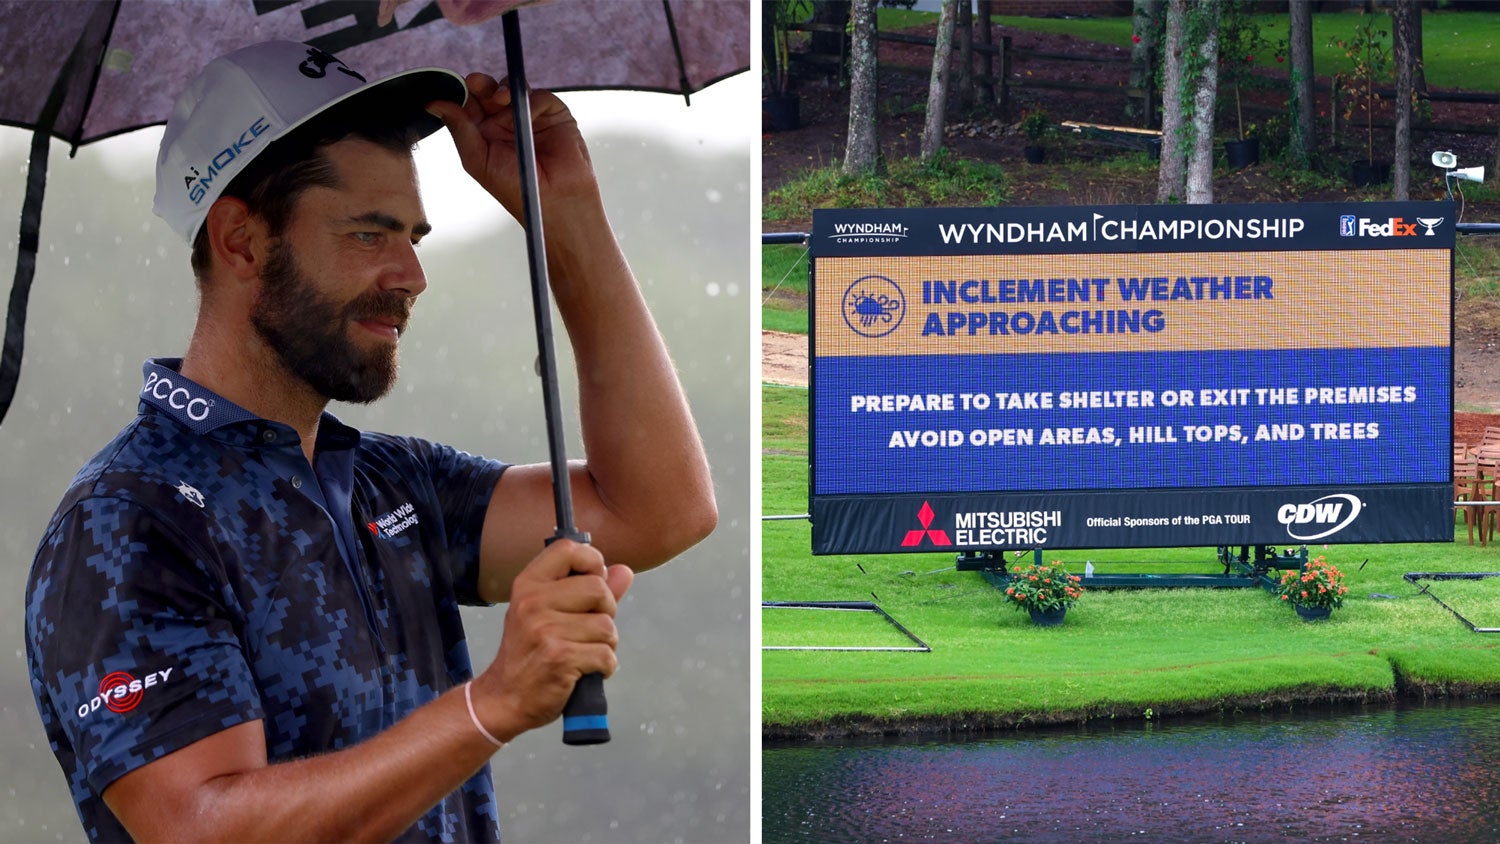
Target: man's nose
(405,272)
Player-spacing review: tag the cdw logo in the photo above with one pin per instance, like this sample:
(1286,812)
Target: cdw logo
(1394,227)
(1328,515)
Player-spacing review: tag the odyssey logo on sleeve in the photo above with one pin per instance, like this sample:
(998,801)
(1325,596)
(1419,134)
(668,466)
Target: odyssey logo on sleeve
(121,691)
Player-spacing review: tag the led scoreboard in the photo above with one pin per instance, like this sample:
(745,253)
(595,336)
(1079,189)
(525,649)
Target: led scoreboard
(1129,376)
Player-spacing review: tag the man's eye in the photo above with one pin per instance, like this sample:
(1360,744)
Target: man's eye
(367,238)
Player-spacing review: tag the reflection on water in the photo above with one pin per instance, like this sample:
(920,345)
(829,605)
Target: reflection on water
(1429,774)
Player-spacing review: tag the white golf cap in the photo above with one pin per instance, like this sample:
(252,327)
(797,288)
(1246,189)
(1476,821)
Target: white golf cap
(245,100)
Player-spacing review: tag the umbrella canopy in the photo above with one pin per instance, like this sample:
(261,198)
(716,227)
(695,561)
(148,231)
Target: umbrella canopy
(130,58)
(91,69)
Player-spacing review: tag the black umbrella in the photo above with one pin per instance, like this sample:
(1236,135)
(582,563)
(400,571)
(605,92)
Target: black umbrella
(92,69)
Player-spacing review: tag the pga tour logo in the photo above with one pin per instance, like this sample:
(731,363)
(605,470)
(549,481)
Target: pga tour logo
(1316,519)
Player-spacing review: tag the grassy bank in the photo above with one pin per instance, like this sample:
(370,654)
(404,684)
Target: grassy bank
(1457,47)
(1122,653)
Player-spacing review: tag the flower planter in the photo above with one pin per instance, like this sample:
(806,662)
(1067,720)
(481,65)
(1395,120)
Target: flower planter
(1365,173)
(1313,613)
(780,113)
(1048,618)
(1034,154)
(1242,153)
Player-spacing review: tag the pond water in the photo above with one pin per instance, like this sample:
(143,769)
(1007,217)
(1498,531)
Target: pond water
(1426,774)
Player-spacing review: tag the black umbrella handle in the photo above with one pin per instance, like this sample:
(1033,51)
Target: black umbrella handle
(585,718)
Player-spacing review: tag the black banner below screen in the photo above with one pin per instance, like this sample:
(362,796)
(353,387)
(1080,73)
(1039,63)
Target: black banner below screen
(1158,518)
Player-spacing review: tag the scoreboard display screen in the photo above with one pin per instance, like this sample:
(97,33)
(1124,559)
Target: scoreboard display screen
(1131,376)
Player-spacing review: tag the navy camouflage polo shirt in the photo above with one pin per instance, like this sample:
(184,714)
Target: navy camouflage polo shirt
(199,574)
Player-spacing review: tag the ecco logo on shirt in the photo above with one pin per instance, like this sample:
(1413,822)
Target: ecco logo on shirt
(122,692)
(176,397)
(388,525)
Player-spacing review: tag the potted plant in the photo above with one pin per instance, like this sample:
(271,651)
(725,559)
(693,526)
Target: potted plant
(1034,126)
(1240,39)
(1371,58)
(779,106)
(1316,590)
(1044,590)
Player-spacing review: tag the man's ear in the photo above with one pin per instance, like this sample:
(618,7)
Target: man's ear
(238,238)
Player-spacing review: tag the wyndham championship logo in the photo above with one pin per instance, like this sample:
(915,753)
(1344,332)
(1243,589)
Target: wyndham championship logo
(869,232)
(874,306)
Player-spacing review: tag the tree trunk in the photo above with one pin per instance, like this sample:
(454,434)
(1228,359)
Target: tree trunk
(937,89)
(1172,174)
(832,12)
(986,93)
(1143,60)
(1303,131)
(862,149)
(1418,72)
(1200,169)
(965,56)
(1404,30)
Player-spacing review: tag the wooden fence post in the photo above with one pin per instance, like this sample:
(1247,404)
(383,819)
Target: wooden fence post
(1005,76)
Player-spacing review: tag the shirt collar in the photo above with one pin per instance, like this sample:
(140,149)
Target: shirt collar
(194,405)
(205,412)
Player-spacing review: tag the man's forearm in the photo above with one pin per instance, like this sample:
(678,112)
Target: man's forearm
(372,791)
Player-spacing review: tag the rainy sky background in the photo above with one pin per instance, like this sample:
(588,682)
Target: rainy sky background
(113,288)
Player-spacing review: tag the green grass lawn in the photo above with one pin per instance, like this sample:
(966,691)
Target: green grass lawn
(829,628)
(783,272)
(1458,48)
(1121,652)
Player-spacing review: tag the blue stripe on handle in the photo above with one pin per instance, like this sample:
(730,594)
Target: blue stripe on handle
(586,722)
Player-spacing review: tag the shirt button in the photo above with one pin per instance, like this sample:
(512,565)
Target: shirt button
(296,482)
(268,435)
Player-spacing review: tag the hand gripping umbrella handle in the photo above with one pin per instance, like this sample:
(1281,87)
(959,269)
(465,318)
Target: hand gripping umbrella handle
(585,719)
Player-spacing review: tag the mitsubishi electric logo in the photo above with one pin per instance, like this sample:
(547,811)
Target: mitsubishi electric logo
(938,536)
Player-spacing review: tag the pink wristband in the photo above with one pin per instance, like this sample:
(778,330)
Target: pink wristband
(469,699)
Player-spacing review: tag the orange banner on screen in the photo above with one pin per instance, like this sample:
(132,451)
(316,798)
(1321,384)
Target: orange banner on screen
(1014,304)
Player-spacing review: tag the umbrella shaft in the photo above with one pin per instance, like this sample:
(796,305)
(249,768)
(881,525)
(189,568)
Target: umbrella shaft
(536,256)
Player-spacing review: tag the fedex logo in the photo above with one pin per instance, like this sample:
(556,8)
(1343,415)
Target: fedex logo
(1394,227)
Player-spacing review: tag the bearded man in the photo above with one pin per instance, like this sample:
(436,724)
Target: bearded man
(243,620)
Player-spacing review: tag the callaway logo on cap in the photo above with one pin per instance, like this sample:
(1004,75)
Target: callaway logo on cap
(244,101)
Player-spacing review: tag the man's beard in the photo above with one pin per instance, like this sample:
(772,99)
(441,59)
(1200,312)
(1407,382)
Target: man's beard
(310,333)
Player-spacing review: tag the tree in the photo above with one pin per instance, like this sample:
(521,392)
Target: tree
(1189,91)
(1303,133)
(1203,30)
(986,93)
(1172,174)
(862,148)
(1407,25)
(1143,60)
(965,35)
(937,89)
